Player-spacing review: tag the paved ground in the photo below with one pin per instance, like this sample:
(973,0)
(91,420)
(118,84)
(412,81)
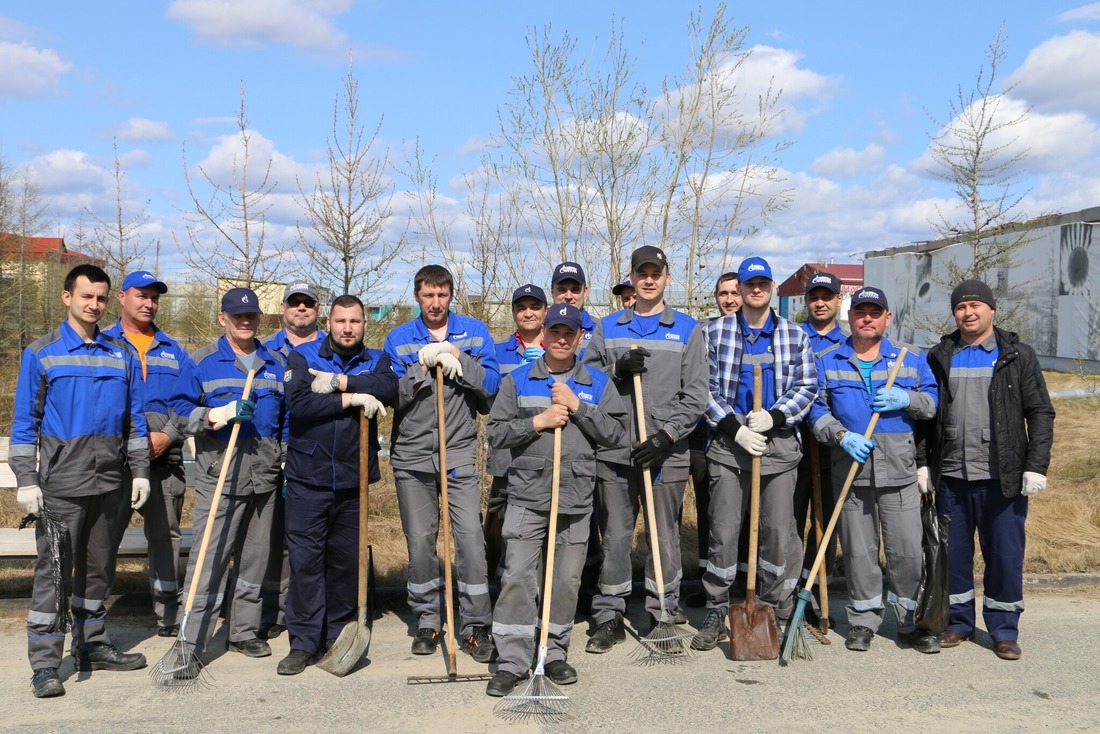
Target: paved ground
(1055,687)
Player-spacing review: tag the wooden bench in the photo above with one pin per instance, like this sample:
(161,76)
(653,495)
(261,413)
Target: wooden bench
(18,545)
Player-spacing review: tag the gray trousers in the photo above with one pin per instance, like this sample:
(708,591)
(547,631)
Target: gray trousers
(779,561)
(161,522)
(897,511)
(619,489)
(418,500)
(242,531)
(516,617)
(85,569)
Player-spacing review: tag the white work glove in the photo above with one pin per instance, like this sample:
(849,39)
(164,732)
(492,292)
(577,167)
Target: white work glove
(450,365)
(241,411)
(371,405)
(139,492)
(751,441)
(30,498)
(759,421)
(1034,483)
(322,382)
(429,353)
(924,482)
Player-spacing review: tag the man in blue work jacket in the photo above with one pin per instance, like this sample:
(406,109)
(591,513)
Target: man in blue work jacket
(463,349)
(161,357)
(208,396)
(79,414)
(327,383)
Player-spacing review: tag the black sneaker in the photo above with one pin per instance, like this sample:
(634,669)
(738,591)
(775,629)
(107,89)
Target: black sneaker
(46,684)
(295,662)
(560,672)
(171,630)
(426,641)
(105,656)
(254,648)
(920,641)
(712,631)
(479,645)
(503,683)
(859,639)
(607,635)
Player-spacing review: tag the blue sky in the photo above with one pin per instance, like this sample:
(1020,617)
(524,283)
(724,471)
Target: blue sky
(857,79)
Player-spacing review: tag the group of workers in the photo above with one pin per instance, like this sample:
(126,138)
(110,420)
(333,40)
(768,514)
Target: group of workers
(590,405)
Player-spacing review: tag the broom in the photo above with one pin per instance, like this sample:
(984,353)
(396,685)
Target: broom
(542,701)
(181,669)
(795,645)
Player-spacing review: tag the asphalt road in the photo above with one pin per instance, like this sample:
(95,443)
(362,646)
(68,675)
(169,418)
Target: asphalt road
(1055,687)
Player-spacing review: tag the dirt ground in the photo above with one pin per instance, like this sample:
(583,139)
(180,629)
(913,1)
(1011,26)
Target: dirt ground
(1054,687)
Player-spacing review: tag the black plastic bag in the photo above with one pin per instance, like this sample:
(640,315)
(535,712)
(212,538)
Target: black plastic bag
(57,549)
(933,601)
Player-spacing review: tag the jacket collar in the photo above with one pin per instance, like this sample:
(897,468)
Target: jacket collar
(539,371)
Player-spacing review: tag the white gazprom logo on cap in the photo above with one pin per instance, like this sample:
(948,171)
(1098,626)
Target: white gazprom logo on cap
(527,289)
(147,276)
(567,269)
(563,311)
(244,298)
(756,266)
(820,279)
(869,294)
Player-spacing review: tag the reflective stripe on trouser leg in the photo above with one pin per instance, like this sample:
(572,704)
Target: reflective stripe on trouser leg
(618,505)
(418,501)
(472,573)
(859,536)
(572,544)
(253,555)
(899,514)
(955,499)
(1001,535)
(727,509)
(669,484)
(161,515)
(780,561)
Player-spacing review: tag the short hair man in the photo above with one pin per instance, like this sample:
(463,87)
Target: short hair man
(161,358)
(79,416)
(209,396)
(736,344)
(883,498)
(551,393)
(726,294)
(823,299)
(322,472)
(301,310)
(462,348)
(568,284)
(989,451)
(670,360)
(624,289)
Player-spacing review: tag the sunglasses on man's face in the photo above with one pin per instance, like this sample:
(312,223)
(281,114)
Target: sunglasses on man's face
(296,302)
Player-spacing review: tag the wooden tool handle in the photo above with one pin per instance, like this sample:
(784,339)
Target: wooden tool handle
(647,483)
(754,495)
(445,523)
(551,541)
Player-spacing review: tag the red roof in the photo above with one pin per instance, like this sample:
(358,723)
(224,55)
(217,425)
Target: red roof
(850,275)
(42,248)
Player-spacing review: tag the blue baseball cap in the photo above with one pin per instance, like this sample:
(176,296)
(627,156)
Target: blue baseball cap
(823,280)
(753,267)
(563,314)
(240,300)
(568,271)
(622,285)
(143,279)
(870,295)
(530,290)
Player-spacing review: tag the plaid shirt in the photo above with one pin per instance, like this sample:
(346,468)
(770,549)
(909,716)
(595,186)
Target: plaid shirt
(795,373)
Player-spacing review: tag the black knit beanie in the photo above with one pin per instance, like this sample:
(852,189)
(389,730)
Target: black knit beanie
(973,290)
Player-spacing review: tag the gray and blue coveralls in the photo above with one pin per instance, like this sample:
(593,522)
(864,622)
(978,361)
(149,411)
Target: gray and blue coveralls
(674,390)
(79,416)
(599,421)
(884,493)
(414,456)
(215,376)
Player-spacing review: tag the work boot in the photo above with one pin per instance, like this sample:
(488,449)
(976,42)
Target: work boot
(171,630)
(254,648)
(712,631)
(295,662)
(479,645)
(105,656)
(561,672)
(920,641)
(271,631)
(426,641)
(46,684)
(503,683)
(859,639)
(607,635)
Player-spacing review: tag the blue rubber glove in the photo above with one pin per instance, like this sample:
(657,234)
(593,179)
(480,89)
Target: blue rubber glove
(530,354)
(893,399)
(858,447)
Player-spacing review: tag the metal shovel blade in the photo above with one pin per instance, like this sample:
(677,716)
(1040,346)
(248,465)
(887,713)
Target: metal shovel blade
(753,634)
(349,647)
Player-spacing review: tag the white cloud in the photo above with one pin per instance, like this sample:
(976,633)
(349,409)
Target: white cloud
(139,129)
(303,23)
(1061,73)
(29,72)
(848,163)
(1085,12)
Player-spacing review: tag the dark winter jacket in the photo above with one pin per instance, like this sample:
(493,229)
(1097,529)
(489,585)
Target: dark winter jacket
(1020,408)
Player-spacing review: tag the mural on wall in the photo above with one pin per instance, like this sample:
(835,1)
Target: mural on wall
(1078,290)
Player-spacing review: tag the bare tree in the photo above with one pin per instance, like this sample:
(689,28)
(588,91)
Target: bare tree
(227,231)
(347,213)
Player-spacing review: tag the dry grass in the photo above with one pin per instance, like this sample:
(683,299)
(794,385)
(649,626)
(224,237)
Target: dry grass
(1063,524)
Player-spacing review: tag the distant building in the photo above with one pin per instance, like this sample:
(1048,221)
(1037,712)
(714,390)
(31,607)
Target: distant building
(792,290)
(32,256)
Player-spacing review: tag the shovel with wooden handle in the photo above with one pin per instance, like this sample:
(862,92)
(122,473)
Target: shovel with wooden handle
(753,634)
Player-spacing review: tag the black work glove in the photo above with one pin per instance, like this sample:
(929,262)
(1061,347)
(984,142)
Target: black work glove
(174,455)
(497,503)
(632,362)
(653,449)
(730,425)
